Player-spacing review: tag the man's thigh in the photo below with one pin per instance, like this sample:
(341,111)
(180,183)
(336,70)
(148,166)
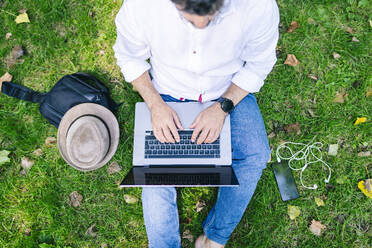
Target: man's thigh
(248,134)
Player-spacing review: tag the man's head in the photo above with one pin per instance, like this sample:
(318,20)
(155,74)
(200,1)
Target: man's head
(198,12)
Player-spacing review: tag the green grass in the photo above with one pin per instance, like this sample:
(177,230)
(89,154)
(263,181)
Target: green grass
(66,36)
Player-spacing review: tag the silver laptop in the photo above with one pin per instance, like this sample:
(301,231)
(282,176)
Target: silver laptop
(182,164)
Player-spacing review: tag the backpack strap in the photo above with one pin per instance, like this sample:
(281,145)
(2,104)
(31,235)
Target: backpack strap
(21,92)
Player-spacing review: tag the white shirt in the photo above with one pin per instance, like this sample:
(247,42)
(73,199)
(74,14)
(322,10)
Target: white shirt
(189,63)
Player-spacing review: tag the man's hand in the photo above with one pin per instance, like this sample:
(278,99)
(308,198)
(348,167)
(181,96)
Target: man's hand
(209,124)
(164,119)
(165,122)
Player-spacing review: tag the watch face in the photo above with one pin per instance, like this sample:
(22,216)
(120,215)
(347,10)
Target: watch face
(227,105)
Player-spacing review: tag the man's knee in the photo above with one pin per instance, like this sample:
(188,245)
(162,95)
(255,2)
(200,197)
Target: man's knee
(259,155)
(248,134)
(251,149)
(159,194)
(158,203)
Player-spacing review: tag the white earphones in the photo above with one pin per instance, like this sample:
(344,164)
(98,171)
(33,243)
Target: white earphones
(303,155)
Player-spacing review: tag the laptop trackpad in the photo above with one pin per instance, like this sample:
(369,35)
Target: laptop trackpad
(189,176)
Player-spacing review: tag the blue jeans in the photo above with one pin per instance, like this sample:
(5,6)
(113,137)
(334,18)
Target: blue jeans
(250,154)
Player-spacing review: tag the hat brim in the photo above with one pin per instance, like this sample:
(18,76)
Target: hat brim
(94,110)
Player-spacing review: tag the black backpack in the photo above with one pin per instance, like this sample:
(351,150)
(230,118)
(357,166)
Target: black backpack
(69,91)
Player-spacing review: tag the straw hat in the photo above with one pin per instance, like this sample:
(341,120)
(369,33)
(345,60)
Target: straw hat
(88,136)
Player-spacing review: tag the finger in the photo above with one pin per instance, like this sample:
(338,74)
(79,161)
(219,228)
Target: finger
(202,136)
(195,134)
(195,122)
(217,134)
(174,132)
(211,136)
(159,135)
(177,120)
(167,134)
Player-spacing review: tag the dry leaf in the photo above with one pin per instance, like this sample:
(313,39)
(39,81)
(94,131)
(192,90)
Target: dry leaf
(332,149)
(294,25)
(366,187)
(50,141)
(27,232)
(350,30)
(316,227)
(22,18)
(319,202)
(187,235)
(113,168)
(291,60)
(271,135)
(311,113)
(38,152)
(313,77)
(340,96)
(8,35)
(27,163)
(5,78)
(312,21)
(75,199)
(360,120)
(16,53)
(354,39)
(4,157)
(91,231)
(293,212)
(369,92)
(130,199)
(364,154)
(293,128)
(336,55)
(199,206)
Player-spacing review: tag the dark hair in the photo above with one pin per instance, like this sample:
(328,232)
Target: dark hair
(199,7)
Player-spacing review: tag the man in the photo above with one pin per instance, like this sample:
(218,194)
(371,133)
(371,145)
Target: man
(201,50)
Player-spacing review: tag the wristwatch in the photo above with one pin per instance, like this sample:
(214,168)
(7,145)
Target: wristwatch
(226,104)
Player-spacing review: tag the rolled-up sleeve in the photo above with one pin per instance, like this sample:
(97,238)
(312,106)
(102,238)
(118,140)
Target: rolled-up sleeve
(259,54)
(131,49)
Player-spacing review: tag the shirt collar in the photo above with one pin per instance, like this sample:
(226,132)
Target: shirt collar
(227,9)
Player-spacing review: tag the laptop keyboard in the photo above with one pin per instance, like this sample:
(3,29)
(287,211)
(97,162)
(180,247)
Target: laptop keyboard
(183,149)
(182,179)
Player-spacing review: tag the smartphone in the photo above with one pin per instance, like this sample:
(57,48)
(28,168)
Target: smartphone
(285,181)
